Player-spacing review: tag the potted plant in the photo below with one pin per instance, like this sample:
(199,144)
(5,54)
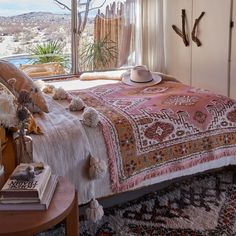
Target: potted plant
(51,51)
(100,54)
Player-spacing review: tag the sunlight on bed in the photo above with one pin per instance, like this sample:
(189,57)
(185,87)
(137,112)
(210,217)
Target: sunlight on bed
(77,84)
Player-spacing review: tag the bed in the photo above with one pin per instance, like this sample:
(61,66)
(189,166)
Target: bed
(145,135)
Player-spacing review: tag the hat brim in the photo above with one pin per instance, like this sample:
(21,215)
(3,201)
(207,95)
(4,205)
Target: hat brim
(156,79)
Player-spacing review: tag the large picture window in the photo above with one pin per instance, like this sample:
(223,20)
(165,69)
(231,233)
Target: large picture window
(35,36)
(59,37)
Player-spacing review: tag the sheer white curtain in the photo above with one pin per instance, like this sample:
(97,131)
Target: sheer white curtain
(150,34)
(127,49)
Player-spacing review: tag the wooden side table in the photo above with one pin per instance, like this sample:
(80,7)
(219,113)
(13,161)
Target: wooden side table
(64,206)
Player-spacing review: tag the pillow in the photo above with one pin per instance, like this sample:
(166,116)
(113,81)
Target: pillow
(9,71)
(31,125)
(102,75)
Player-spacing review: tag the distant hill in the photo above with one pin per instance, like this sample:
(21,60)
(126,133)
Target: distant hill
(36,17)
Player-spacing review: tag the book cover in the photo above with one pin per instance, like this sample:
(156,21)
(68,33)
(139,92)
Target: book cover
(42,205)
(32,188)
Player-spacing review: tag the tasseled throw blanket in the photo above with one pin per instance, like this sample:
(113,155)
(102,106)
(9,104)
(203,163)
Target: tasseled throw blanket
(158,130)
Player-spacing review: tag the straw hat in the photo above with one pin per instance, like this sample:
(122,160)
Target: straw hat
(140,76)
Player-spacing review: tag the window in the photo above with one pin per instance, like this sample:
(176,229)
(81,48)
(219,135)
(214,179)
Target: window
(51,38)
(30,35)
(105,38)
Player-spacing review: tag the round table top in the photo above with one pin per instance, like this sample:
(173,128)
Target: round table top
(31,222)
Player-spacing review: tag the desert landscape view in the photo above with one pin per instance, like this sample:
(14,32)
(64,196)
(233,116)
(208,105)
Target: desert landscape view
(98,38)
(19,33)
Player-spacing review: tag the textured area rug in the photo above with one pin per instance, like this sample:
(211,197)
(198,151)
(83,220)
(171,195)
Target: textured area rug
(203,205)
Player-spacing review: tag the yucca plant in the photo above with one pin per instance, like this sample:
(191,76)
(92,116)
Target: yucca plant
(99,55)
(49,52)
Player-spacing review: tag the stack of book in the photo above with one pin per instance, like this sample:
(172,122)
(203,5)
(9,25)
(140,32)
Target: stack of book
(30,187)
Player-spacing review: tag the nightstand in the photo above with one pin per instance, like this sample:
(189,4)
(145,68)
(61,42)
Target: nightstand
(64,206)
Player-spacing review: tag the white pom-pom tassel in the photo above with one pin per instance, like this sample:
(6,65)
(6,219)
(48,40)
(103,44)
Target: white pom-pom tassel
(48,88)
(95,211)
(60,94)
(76,104)
(40,84)
(97,168)
(90,117)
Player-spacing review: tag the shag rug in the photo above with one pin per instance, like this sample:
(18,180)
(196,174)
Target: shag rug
(202,205)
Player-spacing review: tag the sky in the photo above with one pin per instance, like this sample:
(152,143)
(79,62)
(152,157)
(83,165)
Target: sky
(16,7)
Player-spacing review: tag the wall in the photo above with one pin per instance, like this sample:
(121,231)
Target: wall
(233,56)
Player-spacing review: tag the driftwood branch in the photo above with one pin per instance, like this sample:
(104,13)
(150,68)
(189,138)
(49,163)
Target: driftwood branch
(183,16)
(87,9)
(182,33)
(194,33)
(94,8)
(62,5)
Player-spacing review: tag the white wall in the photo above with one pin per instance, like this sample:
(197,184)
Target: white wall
(233,56)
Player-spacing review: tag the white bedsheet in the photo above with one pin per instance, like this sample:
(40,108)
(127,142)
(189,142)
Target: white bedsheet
(77,84)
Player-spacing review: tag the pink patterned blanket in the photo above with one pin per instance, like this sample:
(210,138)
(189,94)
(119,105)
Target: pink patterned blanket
(153,131)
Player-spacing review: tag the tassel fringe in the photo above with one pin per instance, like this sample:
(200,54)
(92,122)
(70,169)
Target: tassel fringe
(60,94)
(76,104)
(90,117)
(97,168)
(95,211)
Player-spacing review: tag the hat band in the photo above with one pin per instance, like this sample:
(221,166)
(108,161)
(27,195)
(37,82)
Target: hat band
(141,82)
